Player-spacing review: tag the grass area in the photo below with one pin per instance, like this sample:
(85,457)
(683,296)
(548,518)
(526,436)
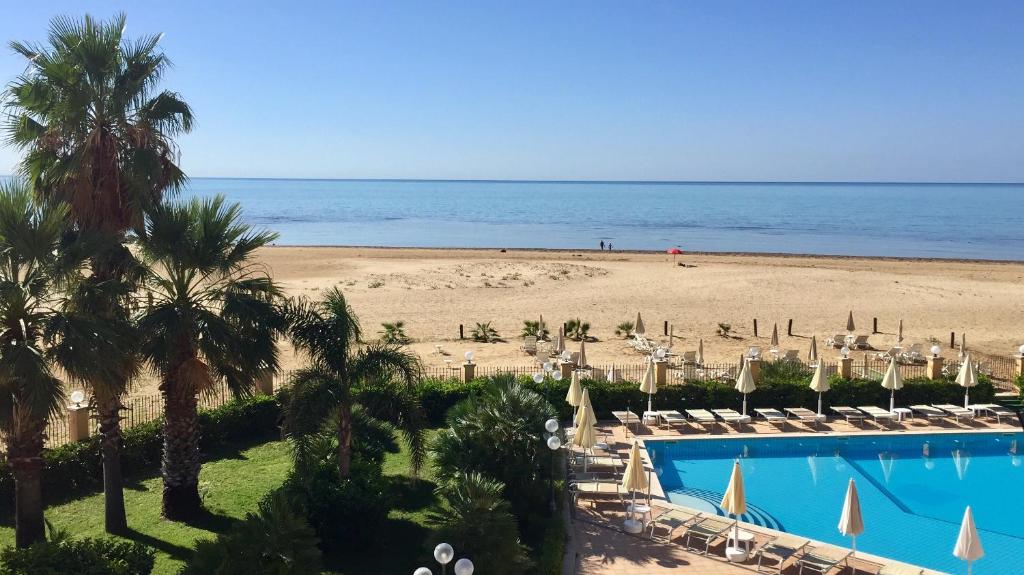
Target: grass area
(233,486)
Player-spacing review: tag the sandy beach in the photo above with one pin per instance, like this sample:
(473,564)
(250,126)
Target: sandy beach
(433,291)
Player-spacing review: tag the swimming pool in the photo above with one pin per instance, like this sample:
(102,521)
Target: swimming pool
(913,489)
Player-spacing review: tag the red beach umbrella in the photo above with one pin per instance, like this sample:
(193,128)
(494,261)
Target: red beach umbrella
(675,252)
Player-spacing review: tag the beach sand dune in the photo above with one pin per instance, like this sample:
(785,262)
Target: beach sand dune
(434,291)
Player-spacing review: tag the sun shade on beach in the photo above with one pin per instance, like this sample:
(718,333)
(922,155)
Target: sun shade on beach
(638,326)
(588,413)
(851,524)
(575,394)
(582,361)
(745,384)
(967,378)
(812,355)
(819,383)
(892,381)
(734,502)
(968,544)
(700,352)
(775,336)
(849,323)
(560,341)
(648,385)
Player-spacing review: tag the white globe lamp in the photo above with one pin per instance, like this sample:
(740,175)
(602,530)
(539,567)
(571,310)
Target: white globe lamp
(463,567)
(444,553)
(469,357)
(1021,350)
(557,376)
(551,425)
(538,378)
(936,350)
(422,571)
(554,443)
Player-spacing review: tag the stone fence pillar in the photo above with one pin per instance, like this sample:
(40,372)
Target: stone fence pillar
(934,370)
(468,371)
(846,367)
(78,423)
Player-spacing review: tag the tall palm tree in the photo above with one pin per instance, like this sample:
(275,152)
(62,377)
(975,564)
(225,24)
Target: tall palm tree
(213,317)
(98,135)
(35,331)
(328,333)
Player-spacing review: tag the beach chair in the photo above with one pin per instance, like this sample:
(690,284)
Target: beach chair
(792,355)
(849,413)
(893,568)
(995,410)
(822,560)
(690,357)
(860,342)
(702,417)
(627,418)
(753,352)
(877,413)
(671,520)
(781,548)
(837,340)
(773,416)
(706,531)
(955,411)
(597,461)
(805,415)
(596,489)
(672,417)
(888,354)
(530,345)
(731,417)
(928,412)
(914,354)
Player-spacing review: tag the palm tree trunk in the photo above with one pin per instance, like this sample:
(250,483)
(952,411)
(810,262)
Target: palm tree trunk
(345,439)
(114,519)
(181,462)
(26,462)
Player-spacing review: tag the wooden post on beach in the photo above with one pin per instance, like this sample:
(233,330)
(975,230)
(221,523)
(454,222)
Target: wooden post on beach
(874,327)
(755,327)
(952,339)
(78,423)
(462,334)
(789,329)
(666,327)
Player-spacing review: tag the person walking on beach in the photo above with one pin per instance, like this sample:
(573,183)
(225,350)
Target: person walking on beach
(609,246)
(602,245)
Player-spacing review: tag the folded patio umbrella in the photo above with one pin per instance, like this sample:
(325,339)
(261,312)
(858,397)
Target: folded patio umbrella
(892,381)
(849,323)
(582,362)
(775,336)
(585,436)
(812,356)
(648,385)
(967,378)
(638,327)
(820,383)
(590,416)
(851,524)
(734,502)
(575,394)
(634,478)
(560,341)
(700,352)
(968,544)
(899,333)
(745,384)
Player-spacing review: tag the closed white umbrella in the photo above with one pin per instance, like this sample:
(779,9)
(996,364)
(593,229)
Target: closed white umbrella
(892,381)
(968,545)
(582,362)
(634,479)
(967,378)
(585,436)
(849,323)
(851,524)
(819,383)
(638,327)
(560,341)
(812,356)
(589,416)
(648,385)
(745,384)
(734,502)
(963,346)
(540,328)
(775,336)
(575,394)
(700,352)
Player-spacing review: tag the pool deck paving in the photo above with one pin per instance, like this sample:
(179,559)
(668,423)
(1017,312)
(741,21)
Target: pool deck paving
(598,545)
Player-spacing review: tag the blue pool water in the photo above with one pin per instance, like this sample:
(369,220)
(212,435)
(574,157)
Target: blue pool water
(912,504)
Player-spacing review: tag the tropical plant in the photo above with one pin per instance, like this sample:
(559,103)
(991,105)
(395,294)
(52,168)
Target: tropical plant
(577,329)
(213,317)
(394,333)
(724,329)
(98,135)
(483,332)
(276,540)
(624,329)
(479,523)
(327,332)
(534,329)
(498,433)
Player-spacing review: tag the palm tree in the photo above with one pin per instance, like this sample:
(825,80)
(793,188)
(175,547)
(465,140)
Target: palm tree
(393,332)
(213,317)
(328,333)
(98,136)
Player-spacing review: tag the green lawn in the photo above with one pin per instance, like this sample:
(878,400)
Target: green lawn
(233,486)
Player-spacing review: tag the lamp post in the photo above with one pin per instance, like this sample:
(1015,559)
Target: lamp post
(444,554)
(554,443)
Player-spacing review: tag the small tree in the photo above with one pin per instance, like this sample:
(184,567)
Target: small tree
(534,328)
(577,329)
(724,329)
(483,332)
(624,329)
(394,333)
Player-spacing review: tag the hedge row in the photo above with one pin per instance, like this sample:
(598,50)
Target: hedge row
(77,468)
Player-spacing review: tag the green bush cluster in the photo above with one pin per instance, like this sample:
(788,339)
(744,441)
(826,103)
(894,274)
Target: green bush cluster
(77,468)
(78,557)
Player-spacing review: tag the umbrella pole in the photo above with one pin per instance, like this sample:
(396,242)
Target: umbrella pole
(967,397)
(892,400)
(819,403)
(744,404)
(650,397)
(854,546)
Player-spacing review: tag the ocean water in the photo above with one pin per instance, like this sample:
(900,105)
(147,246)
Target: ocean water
(911,220)
(913,490)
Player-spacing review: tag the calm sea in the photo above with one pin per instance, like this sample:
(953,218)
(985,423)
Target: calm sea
(912,220)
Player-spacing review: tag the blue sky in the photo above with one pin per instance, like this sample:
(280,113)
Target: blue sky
(676,90)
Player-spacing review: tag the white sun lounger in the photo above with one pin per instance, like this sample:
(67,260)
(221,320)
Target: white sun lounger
(707,530)
(703,417)
(598,461)
(596,489)
(731,416)
(773,416)
(672,417)
(929,412)
(956,411)
(673,519)
(627,418)
(805,415)
(877,413)
(849,413)
(995,410)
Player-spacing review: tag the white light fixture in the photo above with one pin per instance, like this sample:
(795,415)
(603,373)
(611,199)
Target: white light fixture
(845,351)
(936,350)
(538,378)
(463,567)
(1021,350)
(567,356)
(660,353)
(77,397)
(557,376)
(422,571)
(547,366)
(469,357)
(444,553)
(551,425)
(554,443)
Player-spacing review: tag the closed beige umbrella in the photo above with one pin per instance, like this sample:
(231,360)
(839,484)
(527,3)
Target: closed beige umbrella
(820,383)
(812,355)
(892,381)
(582,361)
(968,544)
(963,346)
(590,415)
(560,341)
(775,336)
(849,323)
(585,436)
(700,352)
(638,326)
(851,524)
(967,378)
(540,328)
(648,385)
(745,384)
(734,502)
(634,479)
(575,394)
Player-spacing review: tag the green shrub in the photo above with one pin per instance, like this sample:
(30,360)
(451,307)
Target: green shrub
(77,468)
(275,540)
(624,329)
(483,332)
(1019,382)
(552,548)
(78,557)
(437,396)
